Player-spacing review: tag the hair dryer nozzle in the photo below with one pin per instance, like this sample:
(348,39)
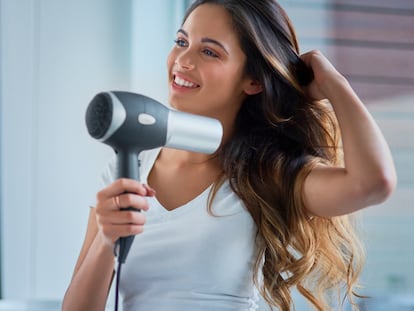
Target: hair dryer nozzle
(104,116)
(99,116)
(192,132)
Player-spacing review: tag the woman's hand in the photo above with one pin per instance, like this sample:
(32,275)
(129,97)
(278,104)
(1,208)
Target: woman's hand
(325,75)
(113,222)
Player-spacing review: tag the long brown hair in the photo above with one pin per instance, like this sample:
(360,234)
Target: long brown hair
(280,135)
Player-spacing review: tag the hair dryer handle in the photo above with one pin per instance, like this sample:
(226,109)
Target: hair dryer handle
(128,167)
(123,245)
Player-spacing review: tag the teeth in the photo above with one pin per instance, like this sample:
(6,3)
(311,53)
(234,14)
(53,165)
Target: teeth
(182,82)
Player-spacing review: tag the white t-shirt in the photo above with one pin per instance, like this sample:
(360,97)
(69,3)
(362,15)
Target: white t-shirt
(187,259)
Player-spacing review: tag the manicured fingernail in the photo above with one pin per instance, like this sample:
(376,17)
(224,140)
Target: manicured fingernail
(149,190)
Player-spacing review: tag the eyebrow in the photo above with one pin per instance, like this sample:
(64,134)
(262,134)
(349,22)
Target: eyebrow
(205,40)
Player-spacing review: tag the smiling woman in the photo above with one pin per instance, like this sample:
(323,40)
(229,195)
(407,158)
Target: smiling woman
(246,199)
(219,61)
(270,210)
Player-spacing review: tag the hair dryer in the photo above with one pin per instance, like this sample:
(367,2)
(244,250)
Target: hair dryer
(131,123)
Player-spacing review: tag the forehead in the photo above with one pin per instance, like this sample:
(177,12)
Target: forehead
(211,20)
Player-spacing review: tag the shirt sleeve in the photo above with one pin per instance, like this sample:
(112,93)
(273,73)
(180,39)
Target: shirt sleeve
(109,173)
(107,177)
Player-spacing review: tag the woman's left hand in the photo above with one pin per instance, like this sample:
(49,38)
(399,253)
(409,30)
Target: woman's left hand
(325,75)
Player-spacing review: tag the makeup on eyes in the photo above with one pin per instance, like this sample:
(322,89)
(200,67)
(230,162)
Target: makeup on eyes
(206,40)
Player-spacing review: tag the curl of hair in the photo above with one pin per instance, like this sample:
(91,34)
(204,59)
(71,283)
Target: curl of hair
(280,135)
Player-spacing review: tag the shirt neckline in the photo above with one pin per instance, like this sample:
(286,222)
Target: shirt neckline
(198,200)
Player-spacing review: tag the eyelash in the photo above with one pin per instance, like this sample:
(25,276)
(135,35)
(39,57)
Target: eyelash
(210,53)
(182,43)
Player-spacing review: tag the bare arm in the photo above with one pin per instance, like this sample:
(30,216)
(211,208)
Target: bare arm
(91,279)
(89,287)
(369,176)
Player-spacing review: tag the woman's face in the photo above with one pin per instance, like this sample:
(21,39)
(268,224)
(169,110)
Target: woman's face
(205,67)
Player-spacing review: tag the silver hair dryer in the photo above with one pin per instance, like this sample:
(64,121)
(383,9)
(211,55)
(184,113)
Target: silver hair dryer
(131,123)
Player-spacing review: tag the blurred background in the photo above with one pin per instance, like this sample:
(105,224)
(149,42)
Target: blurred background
(56,55)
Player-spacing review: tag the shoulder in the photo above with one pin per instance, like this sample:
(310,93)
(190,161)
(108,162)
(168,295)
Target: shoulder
(148,157)
(146,160)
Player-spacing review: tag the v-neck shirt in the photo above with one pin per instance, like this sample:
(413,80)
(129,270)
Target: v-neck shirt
(187,258)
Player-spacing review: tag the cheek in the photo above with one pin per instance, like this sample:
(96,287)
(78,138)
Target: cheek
(228,80)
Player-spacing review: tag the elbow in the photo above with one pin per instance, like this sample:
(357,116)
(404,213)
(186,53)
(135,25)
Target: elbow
(380,188)
(385,188)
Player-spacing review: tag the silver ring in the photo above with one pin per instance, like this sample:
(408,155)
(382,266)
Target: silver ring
(116,202)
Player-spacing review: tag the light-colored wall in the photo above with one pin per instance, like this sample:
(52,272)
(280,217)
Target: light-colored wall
(154,25)
(388,227)
(55,56)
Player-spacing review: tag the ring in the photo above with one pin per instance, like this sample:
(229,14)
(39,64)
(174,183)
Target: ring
(116,202)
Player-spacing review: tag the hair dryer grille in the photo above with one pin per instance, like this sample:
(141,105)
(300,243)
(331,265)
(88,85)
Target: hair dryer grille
(99,116)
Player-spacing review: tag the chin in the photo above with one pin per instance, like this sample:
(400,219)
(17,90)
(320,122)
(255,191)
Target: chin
(184,105)
(173,104)
(178,104)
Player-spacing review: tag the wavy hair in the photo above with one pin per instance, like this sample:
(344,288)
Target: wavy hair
(280,135)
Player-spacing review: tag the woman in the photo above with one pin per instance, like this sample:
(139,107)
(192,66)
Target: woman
(270,209)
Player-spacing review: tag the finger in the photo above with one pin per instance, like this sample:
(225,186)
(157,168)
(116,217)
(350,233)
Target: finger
(115,202)
(105,209)
(124,200)
(130,230)
(306,57)
(120,186)
(114,232)
(150,191)
(116,224)
(125,218)
(120,218)
(133,200)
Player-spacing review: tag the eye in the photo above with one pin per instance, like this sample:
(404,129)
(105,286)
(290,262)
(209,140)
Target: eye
(210,53)
(181,42)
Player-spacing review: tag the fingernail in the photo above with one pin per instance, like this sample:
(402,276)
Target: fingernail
(150,191)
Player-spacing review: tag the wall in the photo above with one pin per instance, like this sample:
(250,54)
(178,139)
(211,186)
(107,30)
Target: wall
(370,41)
(1,187)
(56,55)
(152,37)
(388,229)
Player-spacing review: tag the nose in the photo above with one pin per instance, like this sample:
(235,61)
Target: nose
(185,60)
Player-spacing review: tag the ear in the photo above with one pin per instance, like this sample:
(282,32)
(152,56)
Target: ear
(252,87)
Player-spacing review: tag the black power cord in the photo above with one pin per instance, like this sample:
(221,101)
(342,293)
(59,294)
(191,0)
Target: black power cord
(117,278)
(121,250)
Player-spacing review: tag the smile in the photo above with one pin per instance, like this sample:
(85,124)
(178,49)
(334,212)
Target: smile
(184,83)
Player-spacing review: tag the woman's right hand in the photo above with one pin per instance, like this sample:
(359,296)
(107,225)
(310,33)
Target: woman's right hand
(113,222)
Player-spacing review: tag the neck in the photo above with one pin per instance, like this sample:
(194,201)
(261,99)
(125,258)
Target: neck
(184,157)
